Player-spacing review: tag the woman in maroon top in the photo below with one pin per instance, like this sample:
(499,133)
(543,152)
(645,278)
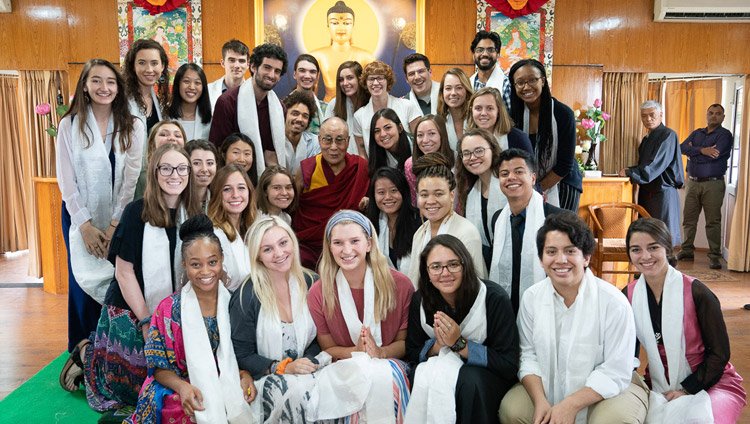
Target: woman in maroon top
(360,307)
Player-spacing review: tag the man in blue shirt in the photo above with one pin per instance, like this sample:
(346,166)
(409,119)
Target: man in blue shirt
(707,150)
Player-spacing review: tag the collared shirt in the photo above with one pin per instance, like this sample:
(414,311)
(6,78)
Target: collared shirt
(700,165)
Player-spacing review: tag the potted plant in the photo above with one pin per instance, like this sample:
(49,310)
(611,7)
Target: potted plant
(591,126)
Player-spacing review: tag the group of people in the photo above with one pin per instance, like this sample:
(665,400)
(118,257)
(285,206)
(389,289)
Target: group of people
(237,257)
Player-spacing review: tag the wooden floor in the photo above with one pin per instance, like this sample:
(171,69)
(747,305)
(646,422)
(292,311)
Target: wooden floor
(33,324)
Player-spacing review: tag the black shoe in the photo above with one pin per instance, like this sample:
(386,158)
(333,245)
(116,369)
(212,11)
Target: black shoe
(684,256)
(714,263)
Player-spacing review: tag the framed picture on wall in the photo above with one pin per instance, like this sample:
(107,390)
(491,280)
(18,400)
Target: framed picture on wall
(178,31)
(335,31)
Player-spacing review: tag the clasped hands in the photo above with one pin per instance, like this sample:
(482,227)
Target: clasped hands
(366,343)
(447,331)
(96,241)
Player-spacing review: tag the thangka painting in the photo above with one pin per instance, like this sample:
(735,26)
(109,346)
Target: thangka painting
(524,37)
(178,31)
(334,31)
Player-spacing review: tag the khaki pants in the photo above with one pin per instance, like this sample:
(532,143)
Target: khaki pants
(629,407)
(708,196)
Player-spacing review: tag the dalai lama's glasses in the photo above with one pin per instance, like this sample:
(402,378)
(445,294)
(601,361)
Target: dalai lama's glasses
(328,140)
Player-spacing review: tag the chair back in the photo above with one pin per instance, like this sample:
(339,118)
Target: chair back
(612,219)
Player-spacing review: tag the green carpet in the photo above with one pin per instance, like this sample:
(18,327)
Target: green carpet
(41,400)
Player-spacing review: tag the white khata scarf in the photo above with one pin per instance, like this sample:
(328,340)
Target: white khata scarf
(247,118)
(551,193)
(157,278)
(496,200)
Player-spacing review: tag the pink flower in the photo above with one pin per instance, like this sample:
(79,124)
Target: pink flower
(597,103)
(606,116)
(587,124)
(42,108)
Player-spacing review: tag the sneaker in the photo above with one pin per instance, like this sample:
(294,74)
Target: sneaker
(684,256)
(714,263)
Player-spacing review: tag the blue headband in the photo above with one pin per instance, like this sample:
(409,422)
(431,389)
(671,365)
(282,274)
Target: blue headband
(348,215)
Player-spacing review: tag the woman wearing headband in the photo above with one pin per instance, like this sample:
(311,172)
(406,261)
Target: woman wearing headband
(360,307)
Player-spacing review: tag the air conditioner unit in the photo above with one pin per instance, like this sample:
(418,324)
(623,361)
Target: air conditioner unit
(702,11)
(5,6)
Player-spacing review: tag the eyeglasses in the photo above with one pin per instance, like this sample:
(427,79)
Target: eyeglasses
(328,140)
(490,50)
(437,269)
(478,152)
(377,78)
(531,81)
(168,170)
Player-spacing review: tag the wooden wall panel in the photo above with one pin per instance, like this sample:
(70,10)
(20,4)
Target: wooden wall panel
(222,21)
(35,35)
(577,86)
(449,28)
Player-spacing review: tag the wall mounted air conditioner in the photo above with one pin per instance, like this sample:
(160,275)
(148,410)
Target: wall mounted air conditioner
(702,11)
(5,6)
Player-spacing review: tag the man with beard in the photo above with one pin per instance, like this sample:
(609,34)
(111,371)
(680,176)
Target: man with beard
(234,60)
(424,91)
(485,48)
(254,109)
(300,142)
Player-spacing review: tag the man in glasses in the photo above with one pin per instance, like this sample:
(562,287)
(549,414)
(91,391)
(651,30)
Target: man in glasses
(485,47)
(515,266)
(328,182)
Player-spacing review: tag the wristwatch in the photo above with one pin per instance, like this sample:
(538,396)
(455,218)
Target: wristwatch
(459,345)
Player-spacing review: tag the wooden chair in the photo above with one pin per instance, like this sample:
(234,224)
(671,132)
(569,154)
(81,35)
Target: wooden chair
(610,224)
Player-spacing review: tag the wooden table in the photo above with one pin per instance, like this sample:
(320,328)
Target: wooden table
(51,242)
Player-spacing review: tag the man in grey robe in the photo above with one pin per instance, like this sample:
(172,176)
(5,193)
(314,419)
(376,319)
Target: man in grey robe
(659,172)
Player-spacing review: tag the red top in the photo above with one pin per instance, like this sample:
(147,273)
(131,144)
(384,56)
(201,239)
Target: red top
(336,326)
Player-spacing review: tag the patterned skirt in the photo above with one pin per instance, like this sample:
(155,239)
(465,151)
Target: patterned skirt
(115,364)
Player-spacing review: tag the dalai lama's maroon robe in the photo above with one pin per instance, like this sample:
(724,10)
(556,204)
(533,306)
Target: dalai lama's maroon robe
(323,195)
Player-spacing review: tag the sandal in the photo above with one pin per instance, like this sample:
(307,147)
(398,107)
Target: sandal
(74,359)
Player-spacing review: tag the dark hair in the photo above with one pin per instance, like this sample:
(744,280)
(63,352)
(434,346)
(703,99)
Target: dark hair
(515,152)
(656,229)
(465,180)
(434,165)
(466,294)
(268,51)
(416,57)
(297,97)
(543,140)
(360,98)
(265,180)
(716,105)
(131,79)
(306,58)
(236,46)
(445,146)
(233,138)
(407,221)
(122,119)
(340,7)
(195,228)
(482,35)
(204,102)
(571,224)
(201,144)
(378,157)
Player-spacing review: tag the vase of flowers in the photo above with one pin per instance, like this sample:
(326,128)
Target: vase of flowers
(592,124)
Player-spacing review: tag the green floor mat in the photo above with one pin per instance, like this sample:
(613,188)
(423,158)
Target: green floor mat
(41,400)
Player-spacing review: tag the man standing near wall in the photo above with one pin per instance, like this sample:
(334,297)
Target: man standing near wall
(424,91)
(659,171)
(707,150)
(235,59)
(485,47)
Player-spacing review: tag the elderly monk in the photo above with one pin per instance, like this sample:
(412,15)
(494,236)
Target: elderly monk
(328,182)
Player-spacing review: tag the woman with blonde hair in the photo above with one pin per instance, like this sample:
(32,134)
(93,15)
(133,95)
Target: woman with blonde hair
(232,210)
(272,330)
(453,102)
(355,281)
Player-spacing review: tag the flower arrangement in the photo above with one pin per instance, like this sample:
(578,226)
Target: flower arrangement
(44,109)
(592,124)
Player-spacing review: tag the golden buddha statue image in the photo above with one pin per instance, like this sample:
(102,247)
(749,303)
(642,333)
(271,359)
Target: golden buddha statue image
(340,23)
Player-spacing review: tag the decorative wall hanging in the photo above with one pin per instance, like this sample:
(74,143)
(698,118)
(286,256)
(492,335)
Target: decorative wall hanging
(525,28)
(175,24)
(387,30)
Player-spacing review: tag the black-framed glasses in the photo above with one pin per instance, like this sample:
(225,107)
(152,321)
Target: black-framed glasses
(436,268)
(531,81)
(168,170)
(490,50)
(478,152)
